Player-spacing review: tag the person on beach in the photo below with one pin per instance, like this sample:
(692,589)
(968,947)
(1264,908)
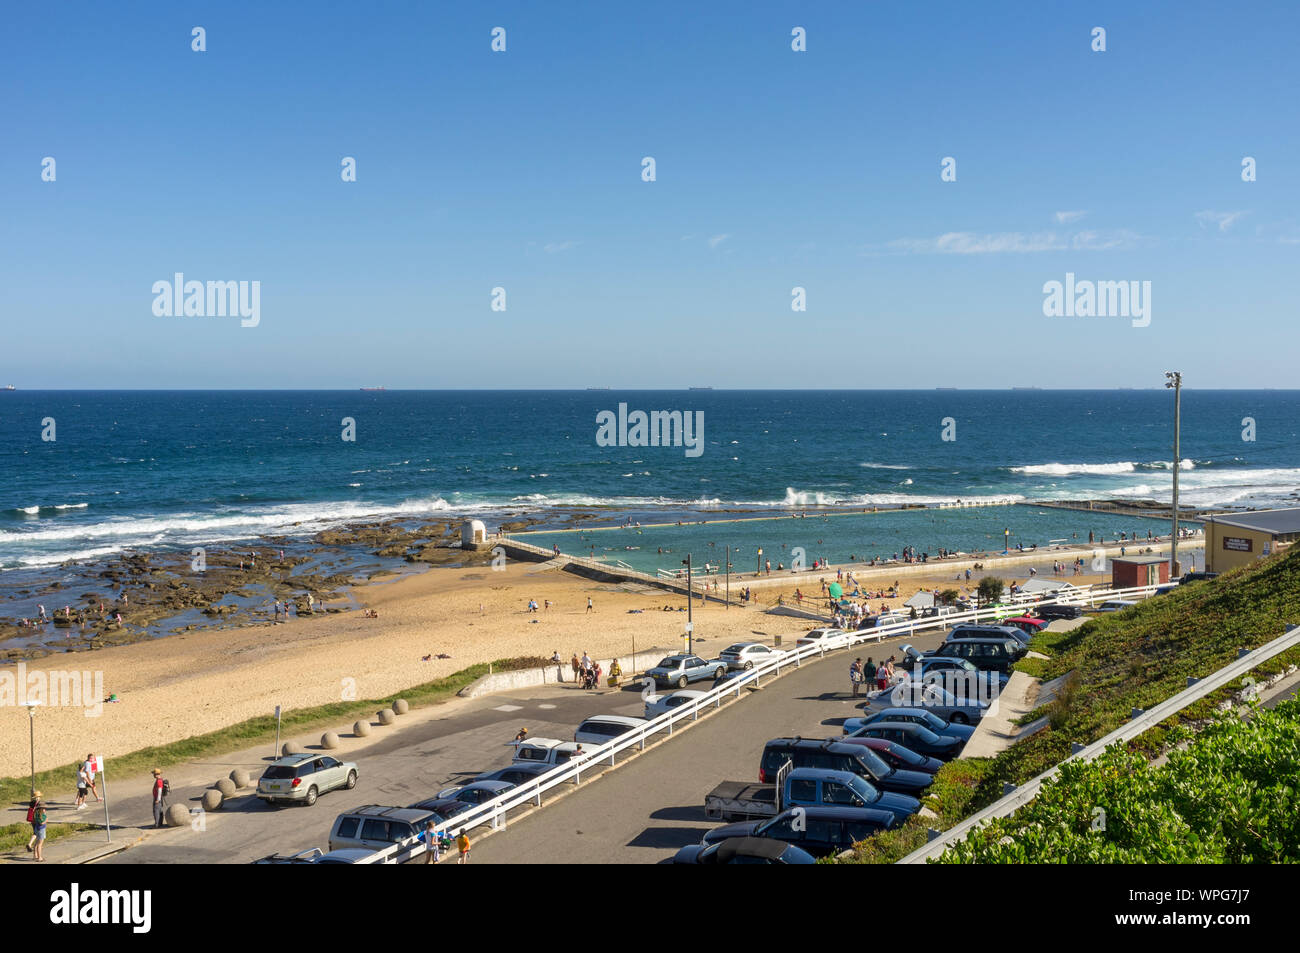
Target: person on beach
(159,798)
(89,765)
(590,607)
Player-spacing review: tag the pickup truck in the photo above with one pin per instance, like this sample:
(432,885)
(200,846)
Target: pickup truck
(802,787)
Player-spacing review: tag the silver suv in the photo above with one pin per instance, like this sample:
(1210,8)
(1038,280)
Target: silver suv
(303,777)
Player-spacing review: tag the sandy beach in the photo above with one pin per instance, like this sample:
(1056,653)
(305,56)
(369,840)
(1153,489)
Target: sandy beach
(191,683)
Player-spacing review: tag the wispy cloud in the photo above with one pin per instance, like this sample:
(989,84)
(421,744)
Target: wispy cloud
(1224,220)
(1065,218)
(717,240)
(997,243)
(554,248)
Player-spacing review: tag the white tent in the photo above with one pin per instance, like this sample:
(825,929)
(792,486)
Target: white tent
(922,600)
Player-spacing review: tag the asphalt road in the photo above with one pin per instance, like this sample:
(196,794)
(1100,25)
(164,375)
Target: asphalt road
(649,812)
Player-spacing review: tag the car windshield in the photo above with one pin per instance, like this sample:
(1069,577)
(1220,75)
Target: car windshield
(906,755)
(864,789)
(875,763)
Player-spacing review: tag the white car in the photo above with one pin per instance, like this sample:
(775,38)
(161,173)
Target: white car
(892,618)
(825,638)
(657,705)
(1115,605)
(745,655)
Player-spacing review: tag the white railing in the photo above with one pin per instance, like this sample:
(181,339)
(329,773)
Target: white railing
(493,812)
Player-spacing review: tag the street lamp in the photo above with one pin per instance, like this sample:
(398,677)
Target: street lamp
(690,602)
(1174,380)
(31,734)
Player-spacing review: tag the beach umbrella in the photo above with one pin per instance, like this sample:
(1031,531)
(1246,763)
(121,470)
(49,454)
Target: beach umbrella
(836,590)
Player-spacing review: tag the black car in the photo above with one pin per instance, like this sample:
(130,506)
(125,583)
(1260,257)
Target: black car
(1054,611)
(744,850)
(969,630)
(986,654)
(834,755)
(1187,577)
(819,830)
(911,735)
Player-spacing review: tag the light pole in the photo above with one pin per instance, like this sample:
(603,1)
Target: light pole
(1174,379)
(31,735)
(690,602)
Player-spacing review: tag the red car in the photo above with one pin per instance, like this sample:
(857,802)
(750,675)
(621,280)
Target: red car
(1026,623)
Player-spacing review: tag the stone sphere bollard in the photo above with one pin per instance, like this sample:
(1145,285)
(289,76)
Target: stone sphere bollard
(212,799)
(361,729)
(226,787)
(290,748)
(329,740)
(178,815)
(240,777)
(386,716)
(401,706)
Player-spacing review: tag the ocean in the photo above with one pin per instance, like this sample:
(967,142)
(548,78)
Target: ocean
(147,470)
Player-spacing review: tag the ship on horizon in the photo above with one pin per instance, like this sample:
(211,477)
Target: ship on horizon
(374,388)
(8,387)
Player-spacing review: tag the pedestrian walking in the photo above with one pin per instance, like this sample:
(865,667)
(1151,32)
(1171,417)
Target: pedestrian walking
(32,805)
(39,818)
(462,844)
(577,666)
(432,847)
(855,676)
(590,607)
(160,791)
(89,765)
(83,786)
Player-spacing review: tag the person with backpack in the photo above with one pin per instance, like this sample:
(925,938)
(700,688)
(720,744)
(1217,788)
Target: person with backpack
(31,818)
(855,675)
(161,788)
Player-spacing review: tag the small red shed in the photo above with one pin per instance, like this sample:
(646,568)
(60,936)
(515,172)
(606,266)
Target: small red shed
(1127,572)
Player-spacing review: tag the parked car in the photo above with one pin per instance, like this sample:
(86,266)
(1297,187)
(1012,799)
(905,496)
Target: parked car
(954,729)
(601,729)
(300,778)
(744,850)
(826,639)
(891,752)
(1187,577)
(744,655)
(969,630)
(1165,589)
(833,755)
(1058,610)
(1116,605)
(910,735)
(965,704)
(375,827)
(681,670)
(996,655)
(892,618)
(657,705)
(803,787)
(957,675)
(939,612)
(516,774)
(314,855)
(820,830)
(544,751)
(476,792)
(1027,624)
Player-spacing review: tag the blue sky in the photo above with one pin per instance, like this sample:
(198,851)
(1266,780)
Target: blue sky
(522,170)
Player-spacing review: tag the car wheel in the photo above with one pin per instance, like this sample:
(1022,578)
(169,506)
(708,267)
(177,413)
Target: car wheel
(720,672)
(748,666)
(959,718)
(352,780)
(682,682)
(311,796)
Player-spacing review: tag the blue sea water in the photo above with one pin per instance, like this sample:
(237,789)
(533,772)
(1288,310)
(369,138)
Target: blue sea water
(151,470)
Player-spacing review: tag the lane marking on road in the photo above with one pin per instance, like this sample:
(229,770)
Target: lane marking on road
(508,708)
(546,706)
